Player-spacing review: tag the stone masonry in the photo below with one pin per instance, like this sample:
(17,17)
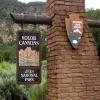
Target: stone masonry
(72,74)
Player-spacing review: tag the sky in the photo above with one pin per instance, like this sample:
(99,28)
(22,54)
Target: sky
(89,3)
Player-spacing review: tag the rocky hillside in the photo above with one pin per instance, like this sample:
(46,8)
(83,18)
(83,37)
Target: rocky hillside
(8,6)
(7,27)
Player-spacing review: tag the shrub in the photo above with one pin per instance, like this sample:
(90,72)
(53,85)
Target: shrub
(10,90)
(7,52)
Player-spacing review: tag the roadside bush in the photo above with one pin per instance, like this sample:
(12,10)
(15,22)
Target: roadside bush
(7,52)
(10,90)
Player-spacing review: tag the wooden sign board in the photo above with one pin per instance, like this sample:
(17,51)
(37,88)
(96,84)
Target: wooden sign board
(28,57)
(74,27)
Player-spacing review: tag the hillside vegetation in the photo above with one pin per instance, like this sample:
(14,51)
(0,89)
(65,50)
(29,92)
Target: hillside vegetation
(8,6)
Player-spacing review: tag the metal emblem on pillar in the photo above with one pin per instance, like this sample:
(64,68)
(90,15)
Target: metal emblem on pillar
(74,26)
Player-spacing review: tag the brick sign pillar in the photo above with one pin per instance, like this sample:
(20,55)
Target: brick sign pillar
(72,74)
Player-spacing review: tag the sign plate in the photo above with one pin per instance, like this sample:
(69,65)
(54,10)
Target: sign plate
(74,26)
(28,57)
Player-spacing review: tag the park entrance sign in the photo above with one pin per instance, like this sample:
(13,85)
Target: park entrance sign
(74,26)
(28,48)
(28,57)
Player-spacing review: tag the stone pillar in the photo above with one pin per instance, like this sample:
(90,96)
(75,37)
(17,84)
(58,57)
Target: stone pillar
(72,74)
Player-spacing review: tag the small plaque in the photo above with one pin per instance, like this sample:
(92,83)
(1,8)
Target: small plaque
(28,57)
(74,27)
(28,75)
